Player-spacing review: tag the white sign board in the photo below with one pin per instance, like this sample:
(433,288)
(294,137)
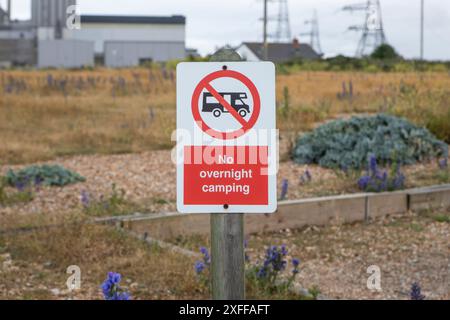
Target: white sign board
(226,137)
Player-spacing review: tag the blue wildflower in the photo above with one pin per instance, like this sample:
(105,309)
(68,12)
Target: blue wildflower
(20,185)
(443,163)
(295,263)
(363,182)
(206,256)
(308,175)
(262,273)
(284,250)
(38,180)
(199,267)
(85,198)
(373,168)
(246,256)
(416,292)
(284,189)
(111,288)
(378,181)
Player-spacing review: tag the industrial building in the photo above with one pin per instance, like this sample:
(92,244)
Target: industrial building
(121,41)
(115,41)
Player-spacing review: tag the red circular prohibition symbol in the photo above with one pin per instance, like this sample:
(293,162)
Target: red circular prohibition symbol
(205,83)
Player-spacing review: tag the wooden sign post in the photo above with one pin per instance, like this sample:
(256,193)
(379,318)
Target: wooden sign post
(227,238)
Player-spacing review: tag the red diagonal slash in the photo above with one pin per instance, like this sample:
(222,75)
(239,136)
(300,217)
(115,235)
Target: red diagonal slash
(225,104)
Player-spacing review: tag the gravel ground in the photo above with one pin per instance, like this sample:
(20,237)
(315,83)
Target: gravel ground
(149,179)
(335,259)
(145,177)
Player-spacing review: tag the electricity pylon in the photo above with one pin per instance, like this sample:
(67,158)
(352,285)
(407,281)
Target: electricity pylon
(372,30)
(283,33)
(314,34)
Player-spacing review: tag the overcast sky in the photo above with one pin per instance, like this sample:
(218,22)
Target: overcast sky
(212,23)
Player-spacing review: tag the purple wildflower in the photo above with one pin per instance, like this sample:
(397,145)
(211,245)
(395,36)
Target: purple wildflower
(377,181)
(246,256)
(111,288)
(416,292)
(306,177)
(284,250)
(373,168)
(363,182)
(206,256)
(284,189)
(262,273)
(295,263)
(199,267)
(85,198)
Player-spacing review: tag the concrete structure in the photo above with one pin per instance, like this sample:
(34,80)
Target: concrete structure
(278,52)
(17,52)
(133,53)
(65,53)
(128,40)
(118,41)
(17,44)
(50,13)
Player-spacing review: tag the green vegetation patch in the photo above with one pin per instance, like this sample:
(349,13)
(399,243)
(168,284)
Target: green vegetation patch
(49,175)
(346,144)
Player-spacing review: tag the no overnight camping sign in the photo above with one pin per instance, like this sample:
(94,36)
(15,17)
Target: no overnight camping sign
(226,151)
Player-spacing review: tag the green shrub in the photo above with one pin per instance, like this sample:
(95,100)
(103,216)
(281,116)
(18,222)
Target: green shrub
(346,144)
(384,52)
(47,175)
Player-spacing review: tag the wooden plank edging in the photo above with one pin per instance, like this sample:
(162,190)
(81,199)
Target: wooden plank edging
(298,213)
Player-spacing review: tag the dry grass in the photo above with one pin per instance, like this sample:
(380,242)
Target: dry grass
(43,122)
(314,97)
(38,261)
(46,114)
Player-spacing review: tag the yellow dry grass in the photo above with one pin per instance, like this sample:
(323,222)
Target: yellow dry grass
(52,113)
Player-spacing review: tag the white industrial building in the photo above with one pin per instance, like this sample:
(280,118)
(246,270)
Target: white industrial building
(129,40)
(116,41)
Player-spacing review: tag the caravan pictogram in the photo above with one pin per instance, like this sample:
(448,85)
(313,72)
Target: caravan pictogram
(219,101)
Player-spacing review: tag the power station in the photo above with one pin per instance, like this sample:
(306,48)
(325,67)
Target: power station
(49,39)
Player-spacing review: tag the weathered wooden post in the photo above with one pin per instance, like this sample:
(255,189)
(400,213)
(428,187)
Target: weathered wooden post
(227,237)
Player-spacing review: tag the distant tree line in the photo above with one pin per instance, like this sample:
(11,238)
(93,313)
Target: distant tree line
(383,59)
